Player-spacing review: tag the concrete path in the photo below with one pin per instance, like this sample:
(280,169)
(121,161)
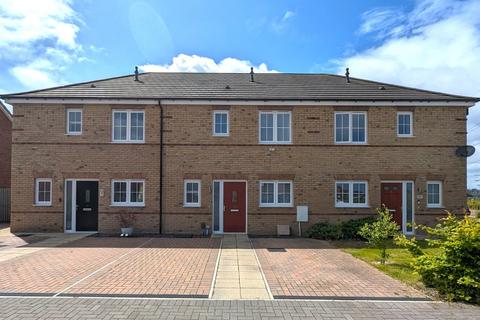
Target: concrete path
(239,275)
(142,309)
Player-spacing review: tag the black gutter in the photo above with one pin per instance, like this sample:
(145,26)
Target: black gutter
(161,170)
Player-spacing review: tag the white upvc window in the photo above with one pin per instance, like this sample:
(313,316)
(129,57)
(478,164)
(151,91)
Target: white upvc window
(351,194)
(276,193)
(434,194)
(351,127)
(404,124)
(43,192)
(192,194)
(128,126)
(275,127)
(74,121)
(221,123)
(128,193)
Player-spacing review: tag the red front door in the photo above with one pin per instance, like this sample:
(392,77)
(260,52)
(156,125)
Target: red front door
(234,213)
(392,199)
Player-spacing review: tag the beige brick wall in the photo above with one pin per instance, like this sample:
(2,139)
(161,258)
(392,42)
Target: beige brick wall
(313,162)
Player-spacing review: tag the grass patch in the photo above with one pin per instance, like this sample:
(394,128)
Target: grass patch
(398,265)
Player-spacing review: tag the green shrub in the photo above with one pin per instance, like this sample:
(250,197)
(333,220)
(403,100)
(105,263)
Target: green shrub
(350,228)
(473,203)
(455,270)
(325,231)
(347,230)
(379,233)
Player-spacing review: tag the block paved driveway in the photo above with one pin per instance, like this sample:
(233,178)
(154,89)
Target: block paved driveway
(307,268)
(167,267)
(116,309)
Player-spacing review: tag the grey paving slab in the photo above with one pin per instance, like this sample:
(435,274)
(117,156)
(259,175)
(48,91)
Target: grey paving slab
(114,309)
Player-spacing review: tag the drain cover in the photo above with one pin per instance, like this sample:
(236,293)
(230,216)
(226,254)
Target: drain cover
(277,249)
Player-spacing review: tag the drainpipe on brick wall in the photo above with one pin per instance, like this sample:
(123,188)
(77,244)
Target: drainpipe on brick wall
(161,170)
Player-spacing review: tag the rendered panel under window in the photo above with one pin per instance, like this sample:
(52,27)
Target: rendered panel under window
(68,205)
(216,206)
(409,207)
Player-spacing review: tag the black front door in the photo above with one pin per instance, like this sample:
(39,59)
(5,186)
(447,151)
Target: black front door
(87,205)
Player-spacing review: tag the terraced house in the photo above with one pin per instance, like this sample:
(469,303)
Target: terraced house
(238,152)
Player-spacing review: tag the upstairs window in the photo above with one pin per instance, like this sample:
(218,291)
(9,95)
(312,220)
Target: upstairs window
(351,194)
(74,121)
(275,127)
(43,192)
(220,123)
(192,193)
(128,193)
(350,127)
(276,194)
(434,194)
(404,124)
(128,126)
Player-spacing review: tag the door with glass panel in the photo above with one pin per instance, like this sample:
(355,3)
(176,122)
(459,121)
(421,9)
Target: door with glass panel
(81,205)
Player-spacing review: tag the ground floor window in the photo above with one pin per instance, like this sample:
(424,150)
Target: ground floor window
(43,192)
(128,192)
(276,194)
(351,194)
(192,193)
(434,194)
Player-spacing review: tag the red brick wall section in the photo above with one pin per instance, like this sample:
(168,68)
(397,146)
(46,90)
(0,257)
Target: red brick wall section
(5,150)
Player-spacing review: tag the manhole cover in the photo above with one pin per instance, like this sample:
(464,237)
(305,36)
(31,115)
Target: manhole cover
(277,249)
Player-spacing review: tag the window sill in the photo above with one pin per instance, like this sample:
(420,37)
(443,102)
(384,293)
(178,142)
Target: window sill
(274,143)
(275,206)
(220,135)
(405,136)
(435,207)
(351,143)
(129,141)
(192,206)
(42,205)
(73,134)
(352,207)
(128,205)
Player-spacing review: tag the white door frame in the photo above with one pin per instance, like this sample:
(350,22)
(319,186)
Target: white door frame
(404,202)
(74,204)
(221,209)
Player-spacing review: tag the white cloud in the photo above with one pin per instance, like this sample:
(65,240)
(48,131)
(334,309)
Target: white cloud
(194,63)
(281,24)
(436,46)
(38,38)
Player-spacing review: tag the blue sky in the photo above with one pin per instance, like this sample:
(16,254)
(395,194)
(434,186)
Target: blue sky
(431,44)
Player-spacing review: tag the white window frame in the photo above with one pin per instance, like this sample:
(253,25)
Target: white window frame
(350,127)
(275,114)
(275,203)
(128,202)
(440,196)
(128,137)
(192,204)
(74,133)
(350,194)
(221,134)
(398,124)
(37,189)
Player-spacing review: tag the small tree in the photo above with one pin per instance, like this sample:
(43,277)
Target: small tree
(454,268)
(379,233)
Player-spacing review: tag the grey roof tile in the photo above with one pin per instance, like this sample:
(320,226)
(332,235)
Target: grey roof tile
(267,86)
